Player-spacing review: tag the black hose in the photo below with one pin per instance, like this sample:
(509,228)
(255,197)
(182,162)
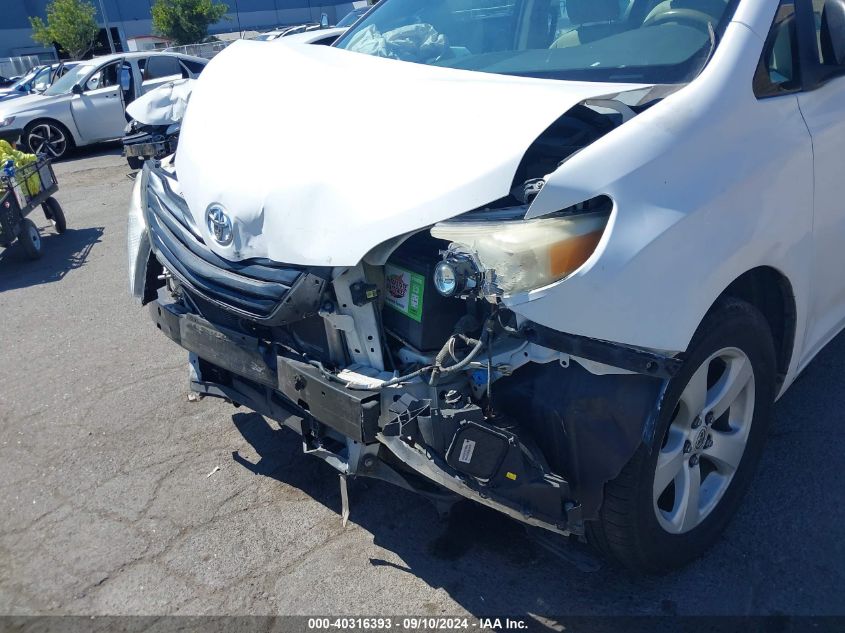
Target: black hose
(440,371)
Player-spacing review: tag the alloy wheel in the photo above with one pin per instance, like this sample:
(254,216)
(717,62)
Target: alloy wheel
(705,442)
(47,139)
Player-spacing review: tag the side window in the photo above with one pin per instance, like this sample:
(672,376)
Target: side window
(194,68)
(161,66)
(779,69)
(41,81)
(105,77)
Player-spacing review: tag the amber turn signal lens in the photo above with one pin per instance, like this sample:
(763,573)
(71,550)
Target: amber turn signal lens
(567,256)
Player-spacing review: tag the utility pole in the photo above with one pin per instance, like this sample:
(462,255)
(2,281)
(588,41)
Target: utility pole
(108,28)
(238,16)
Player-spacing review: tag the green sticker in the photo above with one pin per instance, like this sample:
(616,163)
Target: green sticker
(405,291)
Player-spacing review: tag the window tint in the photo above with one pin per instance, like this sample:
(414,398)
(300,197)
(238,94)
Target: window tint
(194,67)
(779,69)
(162,66)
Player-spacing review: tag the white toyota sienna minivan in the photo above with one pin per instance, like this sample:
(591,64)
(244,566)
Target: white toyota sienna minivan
(564,269)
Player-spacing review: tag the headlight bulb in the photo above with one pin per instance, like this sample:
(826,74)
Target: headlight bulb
(445,279)
(456,275)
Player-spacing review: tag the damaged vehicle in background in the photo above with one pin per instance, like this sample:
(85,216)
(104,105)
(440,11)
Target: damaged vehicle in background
(156,119)
(87,105)
(594,241)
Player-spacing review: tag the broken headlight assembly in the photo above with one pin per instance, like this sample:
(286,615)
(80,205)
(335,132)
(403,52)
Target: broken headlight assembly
(504,257)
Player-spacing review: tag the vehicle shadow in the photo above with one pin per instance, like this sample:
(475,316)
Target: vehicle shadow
(486,564)
(61,254)
(111,148)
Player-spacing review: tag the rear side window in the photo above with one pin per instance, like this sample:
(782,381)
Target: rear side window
(779,69)
(194,67)
(162,66)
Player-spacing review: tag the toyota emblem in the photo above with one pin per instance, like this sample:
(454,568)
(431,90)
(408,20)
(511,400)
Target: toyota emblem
(219,225)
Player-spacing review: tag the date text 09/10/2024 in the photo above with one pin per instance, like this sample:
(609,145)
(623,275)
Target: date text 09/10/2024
(416,623)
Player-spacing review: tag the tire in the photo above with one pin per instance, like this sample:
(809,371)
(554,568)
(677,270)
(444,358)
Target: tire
(53,211)
(47,137)
(652,529)
(30,239)
(135,162)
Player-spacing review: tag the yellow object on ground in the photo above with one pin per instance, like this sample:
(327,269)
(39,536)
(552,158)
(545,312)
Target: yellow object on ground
(32,185)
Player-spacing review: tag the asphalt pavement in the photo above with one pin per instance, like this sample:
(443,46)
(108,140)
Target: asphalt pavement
(119,496)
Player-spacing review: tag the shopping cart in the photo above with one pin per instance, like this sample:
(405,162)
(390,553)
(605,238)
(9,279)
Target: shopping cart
(22,190)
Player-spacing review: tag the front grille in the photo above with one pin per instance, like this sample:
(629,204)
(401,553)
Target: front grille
(254,289)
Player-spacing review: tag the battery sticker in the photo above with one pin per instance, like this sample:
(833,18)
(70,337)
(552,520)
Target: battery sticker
(405,291)
(467,449)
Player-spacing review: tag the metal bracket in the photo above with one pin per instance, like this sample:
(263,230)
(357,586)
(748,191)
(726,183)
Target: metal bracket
(366,348)
(344,500)
(633,359)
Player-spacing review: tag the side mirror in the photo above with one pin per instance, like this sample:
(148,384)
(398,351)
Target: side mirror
(833,33)
(324,20)
(77,89)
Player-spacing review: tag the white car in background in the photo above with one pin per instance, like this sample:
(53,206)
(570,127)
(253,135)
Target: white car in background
(303,35)
(314,33)
(37,80)
(275,34)
(324,37)
(87,105)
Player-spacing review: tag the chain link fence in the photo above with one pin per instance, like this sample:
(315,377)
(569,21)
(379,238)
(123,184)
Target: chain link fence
(16,66)
(207,50)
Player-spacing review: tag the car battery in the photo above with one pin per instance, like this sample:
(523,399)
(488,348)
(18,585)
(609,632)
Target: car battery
(414,310)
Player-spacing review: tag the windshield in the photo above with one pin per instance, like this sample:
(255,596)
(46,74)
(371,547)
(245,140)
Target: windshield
(635,41)
(73,77)
(350,18)
(21,84)
(266,37)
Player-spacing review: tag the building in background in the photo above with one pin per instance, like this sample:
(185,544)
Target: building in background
(131,20)
(146,43)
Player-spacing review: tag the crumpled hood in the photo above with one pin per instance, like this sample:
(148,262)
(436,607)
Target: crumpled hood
(164,105)
(319,154)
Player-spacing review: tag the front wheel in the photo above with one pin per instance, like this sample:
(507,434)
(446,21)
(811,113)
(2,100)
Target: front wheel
(673,499)
(48,138)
